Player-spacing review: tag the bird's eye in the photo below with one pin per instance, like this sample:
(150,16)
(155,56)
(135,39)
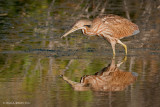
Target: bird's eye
(75,27)
(88,25)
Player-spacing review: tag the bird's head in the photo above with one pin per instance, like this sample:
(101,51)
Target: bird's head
(81,24)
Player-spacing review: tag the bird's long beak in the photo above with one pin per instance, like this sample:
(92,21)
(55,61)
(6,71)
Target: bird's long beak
(70,31)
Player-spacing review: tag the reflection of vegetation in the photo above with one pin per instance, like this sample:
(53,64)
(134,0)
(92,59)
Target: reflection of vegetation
(24,7)
(43,18)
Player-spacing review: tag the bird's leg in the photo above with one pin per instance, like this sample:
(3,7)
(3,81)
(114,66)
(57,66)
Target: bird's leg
(112,41)
(113,47)
(124,59)
(125,47)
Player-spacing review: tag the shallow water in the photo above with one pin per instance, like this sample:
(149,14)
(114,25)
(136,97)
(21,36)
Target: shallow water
(33,56)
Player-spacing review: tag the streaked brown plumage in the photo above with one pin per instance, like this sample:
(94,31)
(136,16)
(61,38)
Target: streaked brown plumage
(110,78)
(111,27)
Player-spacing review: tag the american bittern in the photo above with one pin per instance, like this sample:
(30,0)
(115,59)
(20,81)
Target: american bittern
(111,27)
(110,78)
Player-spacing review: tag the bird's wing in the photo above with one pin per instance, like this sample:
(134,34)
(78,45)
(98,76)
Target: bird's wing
(119,26)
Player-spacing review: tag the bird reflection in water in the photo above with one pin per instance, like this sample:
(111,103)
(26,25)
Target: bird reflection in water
(110,78)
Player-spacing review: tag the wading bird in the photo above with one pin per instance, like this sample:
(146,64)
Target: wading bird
(111,27)
(110,78)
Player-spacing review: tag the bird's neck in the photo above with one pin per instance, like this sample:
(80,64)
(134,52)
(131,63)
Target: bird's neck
(87,31)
